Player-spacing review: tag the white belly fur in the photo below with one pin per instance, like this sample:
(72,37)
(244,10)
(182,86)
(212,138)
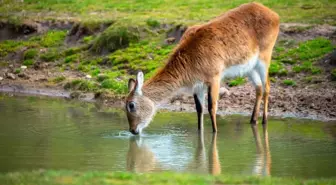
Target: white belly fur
(254,69)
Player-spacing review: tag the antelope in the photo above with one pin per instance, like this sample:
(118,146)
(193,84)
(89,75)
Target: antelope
(237,43)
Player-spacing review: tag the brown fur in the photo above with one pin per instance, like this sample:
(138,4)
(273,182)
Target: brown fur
(205,51)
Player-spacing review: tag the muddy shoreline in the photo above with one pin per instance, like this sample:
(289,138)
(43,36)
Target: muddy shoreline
(237,101)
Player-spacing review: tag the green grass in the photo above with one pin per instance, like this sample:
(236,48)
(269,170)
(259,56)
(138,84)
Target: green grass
(82,85)
(237,81)
(58,79)
(17,71)
(333,74)
(289,82)
(50,39)
(30,54)
(28,62)
(153,22)
(170,10)
(277,68)
(50,55)
(121,178)
(118,87)
(299,57)
(72,58)
(116,37)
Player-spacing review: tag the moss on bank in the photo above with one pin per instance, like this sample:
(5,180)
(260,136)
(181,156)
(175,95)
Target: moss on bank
(70,177)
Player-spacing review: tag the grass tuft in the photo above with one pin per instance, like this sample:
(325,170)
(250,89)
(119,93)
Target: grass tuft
(50,55)
(153,23)
(333,74)
(118,87)
(237,81)
(82,85)
(28,62)
(30,54)
(58,79)
(289,82)
(115,37)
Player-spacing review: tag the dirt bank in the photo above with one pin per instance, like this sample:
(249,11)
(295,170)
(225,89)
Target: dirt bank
(308,103)
(309,95)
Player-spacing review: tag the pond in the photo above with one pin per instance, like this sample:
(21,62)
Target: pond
(40,133)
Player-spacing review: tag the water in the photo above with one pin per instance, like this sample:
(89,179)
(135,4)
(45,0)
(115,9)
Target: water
(40,133)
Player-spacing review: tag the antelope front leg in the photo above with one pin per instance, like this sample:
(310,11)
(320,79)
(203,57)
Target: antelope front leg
(199,101)
(213,93)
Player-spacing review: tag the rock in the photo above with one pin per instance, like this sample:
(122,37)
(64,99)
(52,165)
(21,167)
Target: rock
(170,40)
(23,75)
(1,78)
(40,65)
(11,66)
(332,58)
(224,91)
(10,76)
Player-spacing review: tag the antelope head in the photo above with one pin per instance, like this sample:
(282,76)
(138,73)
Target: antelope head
(139,108)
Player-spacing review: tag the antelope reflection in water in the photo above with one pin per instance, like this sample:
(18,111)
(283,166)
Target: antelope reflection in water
(262,166)
(143,158)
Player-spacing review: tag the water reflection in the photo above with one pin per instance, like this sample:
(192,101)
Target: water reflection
(262,165)
(139,156)
(214,163)
(143,158)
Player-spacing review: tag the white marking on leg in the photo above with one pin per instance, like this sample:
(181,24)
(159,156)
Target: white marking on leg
(261,70)
(255,78)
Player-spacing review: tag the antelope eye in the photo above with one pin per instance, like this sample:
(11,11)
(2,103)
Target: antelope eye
(131,106)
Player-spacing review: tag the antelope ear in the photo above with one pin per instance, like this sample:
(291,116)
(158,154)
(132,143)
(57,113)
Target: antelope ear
(131,84)
(139,80)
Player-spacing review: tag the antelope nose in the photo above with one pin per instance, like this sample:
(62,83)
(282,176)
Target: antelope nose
(134,132)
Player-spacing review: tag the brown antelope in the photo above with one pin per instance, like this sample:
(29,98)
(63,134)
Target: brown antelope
(237,43)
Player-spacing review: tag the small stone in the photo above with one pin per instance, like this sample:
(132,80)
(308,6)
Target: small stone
(88,76)
(224,91)
(23,67)
(23,75)
(11,76)
(1,78)
(170,40)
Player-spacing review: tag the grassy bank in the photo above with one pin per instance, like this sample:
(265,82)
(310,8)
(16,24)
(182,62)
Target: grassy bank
(308,11)
(69,177)
(110,40)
